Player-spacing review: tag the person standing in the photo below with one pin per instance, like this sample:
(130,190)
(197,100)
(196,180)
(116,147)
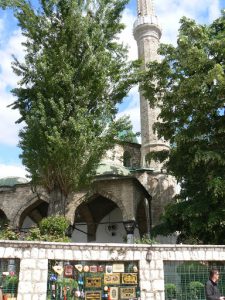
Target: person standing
(211,289)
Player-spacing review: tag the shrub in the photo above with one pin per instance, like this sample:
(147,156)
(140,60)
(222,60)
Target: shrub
(196,290)
(171,291)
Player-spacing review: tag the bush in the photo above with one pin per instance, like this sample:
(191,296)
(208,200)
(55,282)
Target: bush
(8,234)
(50,229)
(171,291)
(196,290)
(55,225)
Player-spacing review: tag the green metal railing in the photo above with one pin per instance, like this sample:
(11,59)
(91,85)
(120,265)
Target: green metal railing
(186,280)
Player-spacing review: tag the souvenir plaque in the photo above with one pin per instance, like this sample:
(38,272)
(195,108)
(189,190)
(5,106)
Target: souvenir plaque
(129,278)
(86,268)
(68,271)
(79,267)
(58,269)
(118,268)
(93,295)
(93,282)
(112,278)
(109,269)
(114,293)
(101,268)
(93,269)
(127,292)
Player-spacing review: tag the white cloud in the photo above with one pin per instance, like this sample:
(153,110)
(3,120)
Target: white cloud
(9,130)
(132,109)
(127,35)
(12,170)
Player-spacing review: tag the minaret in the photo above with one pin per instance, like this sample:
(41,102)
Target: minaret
(147,33)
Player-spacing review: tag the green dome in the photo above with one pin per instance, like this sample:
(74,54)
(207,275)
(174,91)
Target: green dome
(107,168)
(11,181)
(128,136)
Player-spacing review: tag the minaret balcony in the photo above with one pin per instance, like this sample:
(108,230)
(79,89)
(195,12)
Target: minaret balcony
(146,25)
(146,20)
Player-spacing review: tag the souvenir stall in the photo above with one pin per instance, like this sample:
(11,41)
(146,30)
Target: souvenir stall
(91,281)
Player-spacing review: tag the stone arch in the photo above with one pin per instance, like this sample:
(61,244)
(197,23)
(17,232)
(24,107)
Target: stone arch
(89,211)
(3,219)
(31,204)
(104,194)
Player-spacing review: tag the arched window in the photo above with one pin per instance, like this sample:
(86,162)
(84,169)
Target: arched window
(127,159)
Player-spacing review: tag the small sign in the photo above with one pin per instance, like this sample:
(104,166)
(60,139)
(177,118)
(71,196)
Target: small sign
(112,278)
(129,278)
(127,292)
(114,293)
(118,268)
(93,269)
(93,282)
(108,269)
(93,295)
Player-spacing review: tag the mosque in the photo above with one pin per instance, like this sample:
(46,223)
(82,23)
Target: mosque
(127,195)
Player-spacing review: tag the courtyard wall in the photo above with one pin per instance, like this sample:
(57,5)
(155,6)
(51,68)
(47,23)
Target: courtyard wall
(34,258)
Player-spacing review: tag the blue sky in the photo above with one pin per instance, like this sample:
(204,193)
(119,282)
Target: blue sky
(169,13)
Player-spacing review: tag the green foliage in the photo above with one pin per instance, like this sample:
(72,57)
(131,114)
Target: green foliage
(196,290)
(10,284)
(8,234)
(190,83)
(74,74)
(170,291)
(54,225)
(145,240)
(51,229)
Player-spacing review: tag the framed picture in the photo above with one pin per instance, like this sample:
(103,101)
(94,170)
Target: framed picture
(93,269)
(93,282)
(109,269)
(129,278)
(93,295)
(118,268)
(113,293)
(101,268)
(112,278)
(128,292)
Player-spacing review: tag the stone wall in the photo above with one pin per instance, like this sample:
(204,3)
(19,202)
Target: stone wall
(34,262)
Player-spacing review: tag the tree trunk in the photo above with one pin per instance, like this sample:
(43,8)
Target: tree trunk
(57,203)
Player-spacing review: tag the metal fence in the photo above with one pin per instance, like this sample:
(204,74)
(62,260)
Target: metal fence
(185,280)
(9,275)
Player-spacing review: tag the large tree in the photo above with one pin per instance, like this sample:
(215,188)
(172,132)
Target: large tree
(189,87)
(74,74)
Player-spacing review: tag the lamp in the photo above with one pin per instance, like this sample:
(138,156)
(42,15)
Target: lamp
(129,226)
(149,256)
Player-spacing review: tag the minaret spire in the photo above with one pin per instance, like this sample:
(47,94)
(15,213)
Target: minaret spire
(147,33)
(146,8)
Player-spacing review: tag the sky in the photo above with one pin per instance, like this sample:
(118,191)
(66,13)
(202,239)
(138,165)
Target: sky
(169,13)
